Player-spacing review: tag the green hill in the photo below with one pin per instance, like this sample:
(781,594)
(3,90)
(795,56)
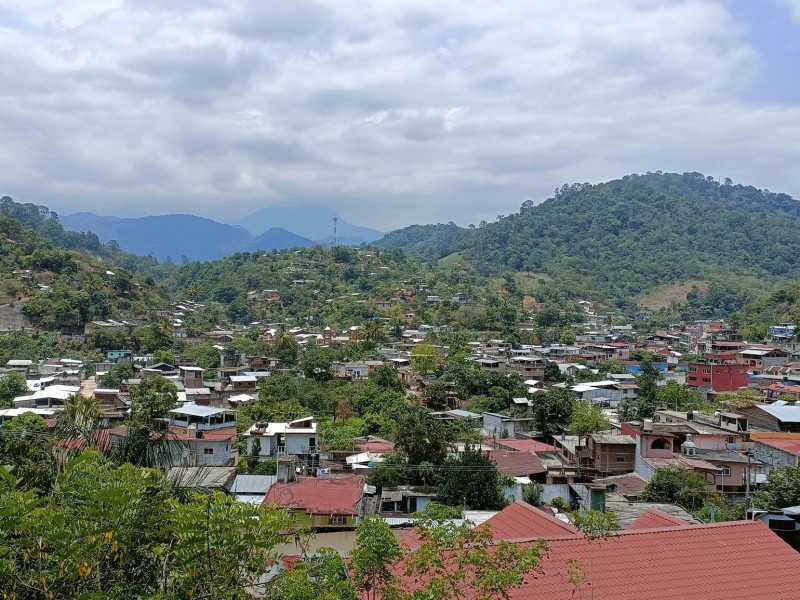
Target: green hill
(55,287)
(617,240)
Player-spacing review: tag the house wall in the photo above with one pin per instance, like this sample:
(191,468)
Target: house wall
(556,490)
(267,444)
(774,457)
(606,458)
(221,453)
(298,443)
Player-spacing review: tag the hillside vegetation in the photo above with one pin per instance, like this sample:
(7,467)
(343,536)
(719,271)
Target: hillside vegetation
(615,240)
(57,287)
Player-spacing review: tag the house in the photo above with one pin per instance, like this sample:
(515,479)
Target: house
(658,557)
(499,426)
(120,356)
(209,448)
(612,454)
(298,437)
(777,450)
(192,377)
(321,503)
(771,417)
(406,499)
(350,370)
(243,383)
(53,396)
(202,418)
(20,366)
(757,358)
(719,377)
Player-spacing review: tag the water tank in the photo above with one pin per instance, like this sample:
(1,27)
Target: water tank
(647,425)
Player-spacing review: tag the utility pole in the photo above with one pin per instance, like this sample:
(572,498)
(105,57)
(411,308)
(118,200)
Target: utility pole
(335,221)
(747,483)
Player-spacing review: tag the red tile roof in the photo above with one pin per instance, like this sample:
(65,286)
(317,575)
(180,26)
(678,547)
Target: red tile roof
(319,496)
(653,518)
(525,445)
(738,560)
(517,464)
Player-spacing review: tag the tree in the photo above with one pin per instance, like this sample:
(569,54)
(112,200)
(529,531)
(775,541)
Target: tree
(317,364)
(81,416)
(419,435)
(118,373)
(386,377)
(471,479)
(322,576)
(434,395)
(12,385)
(424,359)
(677,485)
(154,397)
(587,417)
(374,557)
(781,489)
(164,355)
(552,410)
(551,371)
(680,397)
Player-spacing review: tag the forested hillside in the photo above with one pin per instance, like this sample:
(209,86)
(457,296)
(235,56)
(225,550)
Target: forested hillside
(55,287)
(615,240)
(340,287)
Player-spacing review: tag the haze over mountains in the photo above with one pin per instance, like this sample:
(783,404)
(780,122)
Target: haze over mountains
(198,238)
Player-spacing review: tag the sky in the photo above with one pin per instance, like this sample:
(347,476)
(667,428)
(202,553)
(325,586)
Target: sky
(391,112)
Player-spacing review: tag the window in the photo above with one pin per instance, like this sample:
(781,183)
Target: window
(707,370)
(706,379)
(731,439)
(208,451)
(620,459)
(725,471)
(337,520)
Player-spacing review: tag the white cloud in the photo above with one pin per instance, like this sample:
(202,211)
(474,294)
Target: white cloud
(393,112)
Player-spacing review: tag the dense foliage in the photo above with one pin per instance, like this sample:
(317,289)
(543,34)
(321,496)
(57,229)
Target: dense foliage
(615,240)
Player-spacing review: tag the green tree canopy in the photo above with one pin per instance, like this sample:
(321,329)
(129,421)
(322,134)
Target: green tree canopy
(153,398)
(12,385)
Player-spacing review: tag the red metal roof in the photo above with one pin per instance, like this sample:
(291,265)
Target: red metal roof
(374,446)
(791,446)
(521,520)
(317,496)
(517,464)
(738,560)
(517,520)
(524,445)
(653,518)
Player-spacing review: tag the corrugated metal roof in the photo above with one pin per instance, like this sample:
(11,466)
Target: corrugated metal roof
(253,484)
(195,410)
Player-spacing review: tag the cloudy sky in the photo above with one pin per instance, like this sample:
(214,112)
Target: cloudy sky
(394,111)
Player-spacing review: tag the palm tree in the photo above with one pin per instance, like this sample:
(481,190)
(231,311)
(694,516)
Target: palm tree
(81,416)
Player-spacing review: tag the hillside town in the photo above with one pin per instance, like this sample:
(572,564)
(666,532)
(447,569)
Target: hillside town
(596,424)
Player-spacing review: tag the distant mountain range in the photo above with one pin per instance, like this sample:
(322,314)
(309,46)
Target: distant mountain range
(198,238)
(311,221)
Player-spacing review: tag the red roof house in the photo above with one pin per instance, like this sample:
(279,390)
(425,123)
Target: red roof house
(658,559)
(319,502)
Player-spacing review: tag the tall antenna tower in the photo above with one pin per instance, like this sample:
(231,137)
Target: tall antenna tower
(335,221)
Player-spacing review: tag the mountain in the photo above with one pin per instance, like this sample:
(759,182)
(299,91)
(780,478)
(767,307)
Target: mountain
(642,233)
(178,236)
(311,221)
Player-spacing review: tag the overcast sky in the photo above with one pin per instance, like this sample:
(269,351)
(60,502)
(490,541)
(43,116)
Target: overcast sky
(392,112)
